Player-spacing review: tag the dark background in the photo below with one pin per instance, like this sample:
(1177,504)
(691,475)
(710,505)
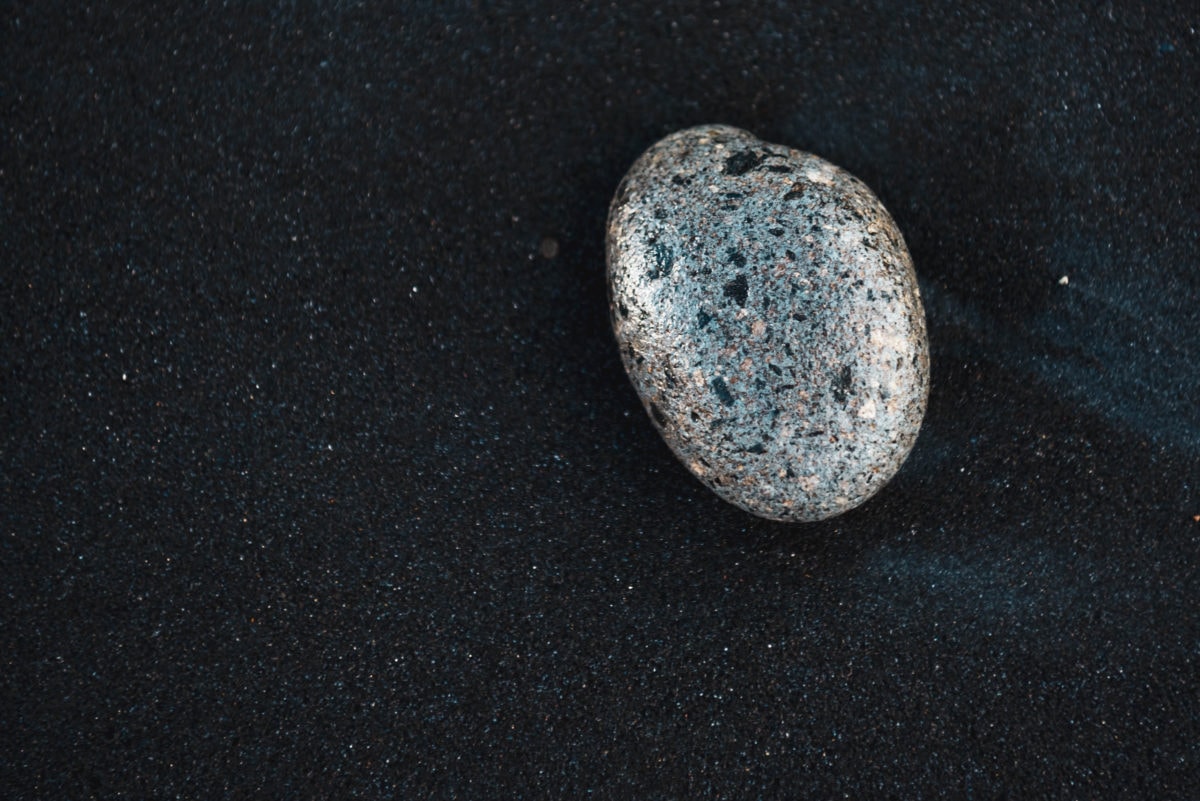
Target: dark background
(321,479)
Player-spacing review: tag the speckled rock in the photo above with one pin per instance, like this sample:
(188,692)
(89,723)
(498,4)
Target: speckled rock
(769,317)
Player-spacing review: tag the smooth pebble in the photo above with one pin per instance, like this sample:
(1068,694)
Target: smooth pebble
(768,315)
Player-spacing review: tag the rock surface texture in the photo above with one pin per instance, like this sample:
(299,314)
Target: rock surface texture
(769,317)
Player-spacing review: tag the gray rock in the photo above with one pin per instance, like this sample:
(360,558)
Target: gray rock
(769,317)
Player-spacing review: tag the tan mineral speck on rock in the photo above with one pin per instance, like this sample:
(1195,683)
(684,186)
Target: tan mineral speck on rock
(769,318)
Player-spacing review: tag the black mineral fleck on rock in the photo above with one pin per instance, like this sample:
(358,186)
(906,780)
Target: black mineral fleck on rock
(737,289)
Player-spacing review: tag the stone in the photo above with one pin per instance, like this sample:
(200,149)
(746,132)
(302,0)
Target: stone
(768,315)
